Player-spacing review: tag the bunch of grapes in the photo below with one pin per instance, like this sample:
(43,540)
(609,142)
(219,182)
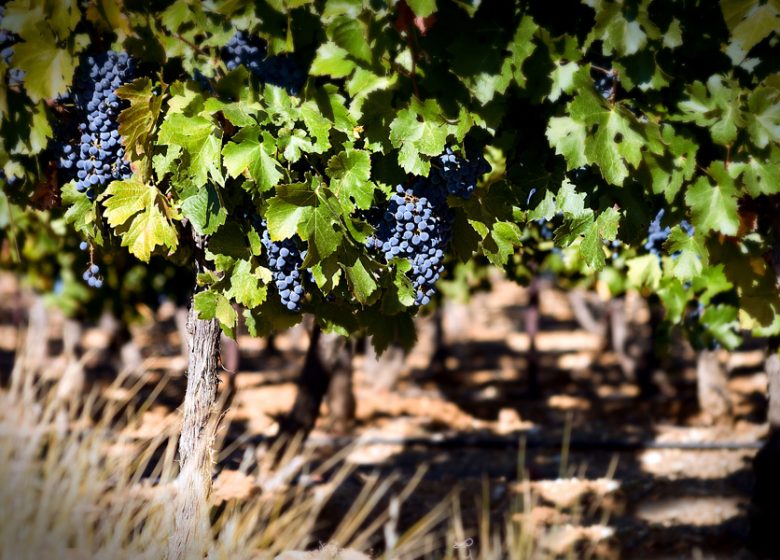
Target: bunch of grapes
(459,176)
(656,235)
(416,225)
(251,52)
(285,259)
(7,41)
(605,83)
(98,159)
(92,275)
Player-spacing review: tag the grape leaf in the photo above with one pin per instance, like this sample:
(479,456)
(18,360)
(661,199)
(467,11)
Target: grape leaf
(351,35)
(331,60)
(350,173)
(135,207)
(289,210)
(204,210)
(246,287)
(201,140)
(415,134)
(422,8)
(714,207)
(764,116)
(213,305)
(644,271)
(48,68)
(246,152)
(137,122)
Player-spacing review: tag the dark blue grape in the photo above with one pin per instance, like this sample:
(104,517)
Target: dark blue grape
(251,52)
(415,225)
(284,260)
(458,175)
(7,41)
(656,235)
(92,276)
(604,82)
(97,157)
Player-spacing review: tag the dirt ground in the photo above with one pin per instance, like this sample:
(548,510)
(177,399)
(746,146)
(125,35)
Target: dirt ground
(620,474)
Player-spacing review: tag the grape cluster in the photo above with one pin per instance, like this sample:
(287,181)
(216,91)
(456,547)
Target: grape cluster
(656,235)
(544,229)
(458,175)
(92,275)
(416,225)
(604,82)
(7,41)
(284,259)
(98,159)
(251,52)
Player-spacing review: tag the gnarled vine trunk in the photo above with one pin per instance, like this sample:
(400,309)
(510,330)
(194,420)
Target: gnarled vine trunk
(193,484)
(196,455)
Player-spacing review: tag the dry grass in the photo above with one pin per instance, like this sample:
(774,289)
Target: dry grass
(78,482)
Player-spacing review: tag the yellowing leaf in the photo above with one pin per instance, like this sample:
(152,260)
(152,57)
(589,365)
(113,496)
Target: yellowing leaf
(134,209)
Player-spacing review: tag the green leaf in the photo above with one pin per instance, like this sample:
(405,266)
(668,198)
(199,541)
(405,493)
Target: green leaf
(323,233)
(135,207)
(567,136)
(247,152)
(519,50)
(165,163)
(137,122)
(562,79)
(360,280)
(201,140)
(764,116)
(213,305)
(616,141)
(246,287)
(81,211)
(289,210)
(204,210)
(749,24)
(507,237)
(591,248)
(688,255)
(422,8)
(350,173)
(721,321)
(644,271)
(351,35)
(331,60)
(761,175)
(714,207)
(674,297)
(623,30)
(48,69)
(417,134)
(716,106)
